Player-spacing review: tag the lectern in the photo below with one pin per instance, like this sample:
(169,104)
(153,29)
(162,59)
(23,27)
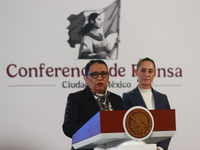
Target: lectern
(138,127)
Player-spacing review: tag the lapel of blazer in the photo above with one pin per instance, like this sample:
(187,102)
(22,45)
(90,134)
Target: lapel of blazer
(138,98)
(156,98)
(90,99)
(114,102)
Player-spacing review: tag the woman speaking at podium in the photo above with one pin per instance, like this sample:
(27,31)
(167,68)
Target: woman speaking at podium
(84,104)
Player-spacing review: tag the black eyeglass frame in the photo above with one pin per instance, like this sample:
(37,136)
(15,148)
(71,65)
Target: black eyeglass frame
(103,74)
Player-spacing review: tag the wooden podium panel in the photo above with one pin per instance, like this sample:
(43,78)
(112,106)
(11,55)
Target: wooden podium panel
(107,126)
(164,120)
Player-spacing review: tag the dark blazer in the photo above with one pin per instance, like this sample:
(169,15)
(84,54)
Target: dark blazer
(134,98)
(81,106)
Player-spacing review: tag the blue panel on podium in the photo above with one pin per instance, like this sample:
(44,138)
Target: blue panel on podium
(91,128)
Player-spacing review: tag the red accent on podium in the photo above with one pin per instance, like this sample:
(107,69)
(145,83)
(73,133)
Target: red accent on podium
(164,120)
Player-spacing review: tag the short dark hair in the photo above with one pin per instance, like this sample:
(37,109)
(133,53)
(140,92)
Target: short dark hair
(91,62)
(145,59)
(88,27)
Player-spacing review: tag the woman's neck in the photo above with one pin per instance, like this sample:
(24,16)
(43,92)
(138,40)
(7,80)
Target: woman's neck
(94,32)
(144,86)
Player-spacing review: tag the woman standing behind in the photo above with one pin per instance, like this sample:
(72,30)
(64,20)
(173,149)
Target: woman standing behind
(94,44)
(144,95)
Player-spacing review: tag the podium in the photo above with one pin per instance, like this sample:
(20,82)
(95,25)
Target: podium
(106,131)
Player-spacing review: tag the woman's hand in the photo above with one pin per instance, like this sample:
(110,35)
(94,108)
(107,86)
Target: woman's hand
(102,55)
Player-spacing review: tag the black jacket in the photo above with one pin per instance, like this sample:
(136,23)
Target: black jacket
(81,106)
(134,98)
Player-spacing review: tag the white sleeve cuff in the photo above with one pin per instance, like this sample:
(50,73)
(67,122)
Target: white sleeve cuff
(160,148)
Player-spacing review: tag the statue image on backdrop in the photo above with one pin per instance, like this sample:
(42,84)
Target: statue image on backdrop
(97,32)
(94,44)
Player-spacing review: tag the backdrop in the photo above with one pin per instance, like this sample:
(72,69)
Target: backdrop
(38,68)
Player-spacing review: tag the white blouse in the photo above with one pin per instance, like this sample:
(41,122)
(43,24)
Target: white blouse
(147,95)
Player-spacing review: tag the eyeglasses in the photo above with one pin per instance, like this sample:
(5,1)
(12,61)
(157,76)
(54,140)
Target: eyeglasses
(95,75)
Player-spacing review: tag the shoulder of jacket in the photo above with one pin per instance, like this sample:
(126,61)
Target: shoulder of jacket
(158,93)
(134,91)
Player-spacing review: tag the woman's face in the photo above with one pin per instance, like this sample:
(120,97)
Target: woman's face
(145,73)
(98,22)
(99,84)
